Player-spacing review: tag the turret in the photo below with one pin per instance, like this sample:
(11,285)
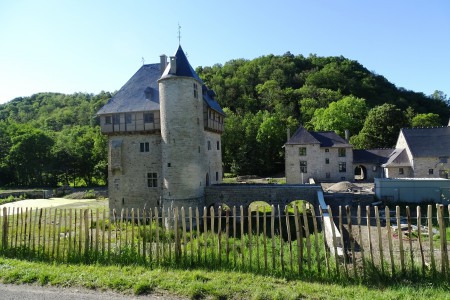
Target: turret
(183,141)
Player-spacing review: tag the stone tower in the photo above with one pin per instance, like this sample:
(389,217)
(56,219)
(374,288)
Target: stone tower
(182,133)
(164,127)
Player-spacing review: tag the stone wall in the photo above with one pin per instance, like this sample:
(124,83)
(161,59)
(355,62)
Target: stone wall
(245,194)
(128,185)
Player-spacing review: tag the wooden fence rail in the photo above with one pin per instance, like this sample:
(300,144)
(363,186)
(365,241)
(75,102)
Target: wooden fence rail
(283,240)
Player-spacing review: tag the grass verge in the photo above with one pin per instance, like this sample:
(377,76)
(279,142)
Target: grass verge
(200,284)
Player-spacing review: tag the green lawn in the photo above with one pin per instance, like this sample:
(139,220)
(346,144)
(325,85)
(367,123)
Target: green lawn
(199,284)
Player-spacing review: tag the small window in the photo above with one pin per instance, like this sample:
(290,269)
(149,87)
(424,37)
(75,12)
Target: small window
(218,145)
(108,120)
(327,175)
(302,151)
(400,171)
(149,118)
(152,180)
(341,152)
(327,150)
(430,171)
(303,166)
(209,145)
(116,119)
(342,167)
(145,147)
(217,176)
(195,91)
(128,118)
(210,114)
(327,161)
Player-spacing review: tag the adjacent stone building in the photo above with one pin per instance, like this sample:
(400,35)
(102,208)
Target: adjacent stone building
(164,131)
(420,153)
(325,156)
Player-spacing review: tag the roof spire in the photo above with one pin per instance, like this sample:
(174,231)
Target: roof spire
(179,34)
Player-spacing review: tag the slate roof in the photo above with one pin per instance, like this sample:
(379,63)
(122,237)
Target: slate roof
(398,158)
(326,139)
(371,156)
(141,92)
(428,142)
(184,68)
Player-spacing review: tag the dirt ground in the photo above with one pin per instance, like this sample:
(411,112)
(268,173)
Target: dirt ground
(373,240)
(55,202)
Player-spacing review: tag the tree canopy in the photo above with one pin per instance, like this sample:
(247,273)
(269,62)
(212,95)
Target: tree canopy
(52,139)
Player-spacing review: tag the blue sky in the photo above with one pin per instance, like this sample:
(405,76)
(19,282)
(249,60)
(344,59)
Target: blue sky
(89,46)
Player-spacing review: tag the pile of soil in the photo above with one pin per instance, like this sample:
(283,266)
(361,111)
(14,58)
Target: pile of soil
(343,186)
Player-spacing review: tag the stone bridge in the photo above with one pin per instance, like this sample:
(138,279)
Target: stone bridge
(273,194)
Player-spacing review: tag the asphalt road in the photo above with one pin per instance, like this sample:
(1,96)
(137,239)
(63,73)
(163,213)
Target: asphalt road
(32,292)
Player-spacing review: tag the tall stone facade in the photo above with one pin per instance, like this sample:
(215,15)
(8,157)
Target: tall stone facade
(164,129)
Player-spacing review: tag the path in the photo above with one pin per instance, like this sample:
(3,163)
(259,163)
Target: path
(46,203)
(34,292)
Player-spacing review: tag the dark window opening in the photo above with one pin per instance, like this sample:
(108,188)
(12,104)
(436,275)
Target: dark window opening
(149,118)
(152,180)
(145,147)
(303,167)
(128,118)
(302,151)
(116,119)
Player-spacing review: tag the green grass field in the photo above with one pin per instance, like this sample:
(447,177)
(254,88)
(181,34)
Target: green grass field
(203,284)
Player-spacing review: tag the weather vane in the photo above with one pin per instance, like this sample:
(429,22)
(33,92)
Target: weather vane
(179,34)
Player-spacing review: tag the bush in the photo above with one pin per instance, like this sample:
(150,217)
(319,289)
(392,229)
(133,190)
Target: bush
(89,194)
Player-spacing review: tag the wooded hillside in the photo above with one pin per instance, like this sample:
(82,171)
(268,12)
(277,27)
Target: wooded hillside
(266,95)
(52,139)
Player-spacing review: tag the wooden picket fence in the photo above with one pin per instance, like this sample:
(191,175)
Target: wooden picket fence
(294,243)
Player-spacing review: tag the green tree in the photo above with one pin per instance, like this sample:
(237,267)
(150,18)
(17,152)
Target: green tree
(426,120)
(381,128)
(347,113)
(30,156)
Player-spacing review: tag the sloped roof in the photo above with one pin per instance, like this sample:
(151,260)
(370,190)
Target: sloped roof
(398,158)
(372,156)
(183,68)
(428,142)
(209,98)
(140,93)
(302,137)
(326,139)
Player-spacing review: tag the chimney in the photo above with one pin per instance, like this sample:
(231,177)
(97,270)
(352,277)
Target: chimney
(173,65)
(162,62)
(347,135)
(288,133)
